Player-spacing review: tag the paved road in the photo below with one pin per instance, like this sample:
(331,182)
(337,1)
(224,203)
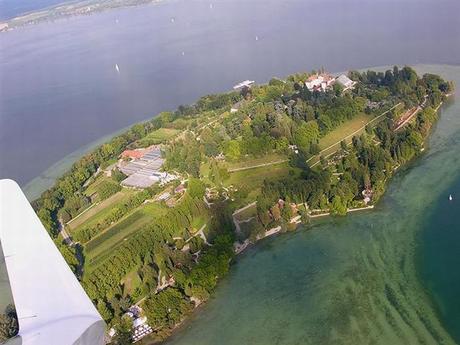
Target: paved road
(67,239)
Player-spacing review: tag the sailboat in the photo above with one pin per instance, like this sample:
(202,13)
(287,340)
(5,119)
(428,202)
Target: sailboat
(117,68)
(450,197)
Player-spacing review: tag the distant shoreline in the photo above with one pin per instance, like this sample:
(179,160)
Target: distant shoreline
(68,9)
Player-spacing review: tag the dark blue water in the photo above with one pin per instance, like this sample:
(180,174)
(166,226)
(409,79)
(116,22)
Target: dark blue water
(60,90)
(13,8)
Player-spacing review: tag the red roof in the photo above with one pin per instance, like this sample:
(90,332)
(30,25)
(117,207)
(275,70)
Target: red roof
(133,153)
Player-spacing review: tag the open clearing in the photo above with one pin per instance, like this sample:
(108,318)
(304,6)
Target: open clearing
(253,179)
(249,212)
(98,210)
(159,136)
(346,129)
(256,176)
(346,132)
(254,162)
(92,188)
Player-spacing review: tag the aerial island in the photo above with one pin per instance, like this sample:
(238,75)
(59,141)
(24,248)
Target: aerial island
(67,9)
(151,220)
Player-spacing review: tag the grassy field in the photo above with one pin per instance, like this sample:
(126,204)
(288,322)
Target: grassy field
(131,282)
(198,222)
(247,213)
(102,245)
(254,178)
(159,136)
(344,130)
(96,213)
(92,188)
(249,162)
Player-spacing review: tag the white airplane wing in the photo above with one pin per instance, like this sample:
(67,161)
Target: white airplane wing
(52,307)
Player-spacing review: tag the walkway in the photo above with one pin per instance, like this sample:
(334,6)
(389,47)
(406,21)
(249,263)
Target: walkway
(349,136)
(258,166)
(66,237)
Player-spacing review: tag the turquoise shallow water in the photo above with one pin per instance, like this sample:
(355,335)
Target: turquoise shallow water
(369,278)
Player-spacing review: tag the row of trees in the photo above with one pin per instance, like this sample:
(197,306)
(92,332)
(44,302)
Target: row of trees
(368,162)
(116,213)
(152,252)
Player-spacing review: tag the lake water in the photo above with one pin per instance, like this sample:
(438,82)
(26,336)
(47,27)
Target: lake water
(60,90)
(390,275)
(387,276)
(13,8)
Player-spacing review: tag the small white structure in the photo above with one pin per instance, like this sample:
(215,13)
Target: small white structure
(345,82)
(246,83)
(144,180)
(235,107)
(140,326)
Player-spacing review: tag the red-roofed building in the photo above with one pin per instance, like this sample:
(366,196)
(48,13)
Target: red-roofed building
(133,154)
(319,82)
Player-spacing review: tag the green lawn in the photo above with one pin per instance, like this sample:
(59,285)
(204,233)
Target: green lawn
(253,179)
(92,188)
(330,143)
(247,213)
(98,212)
(198,222)
(159,136)
(344,130)
(131,282)
(251,161)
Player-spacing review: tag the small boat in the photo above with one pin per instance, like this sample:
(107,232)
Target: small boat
(450,197)
(117,68)
(257,38)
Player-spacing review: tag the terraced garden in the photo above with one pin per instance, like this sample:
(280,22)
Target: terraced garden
(101,246)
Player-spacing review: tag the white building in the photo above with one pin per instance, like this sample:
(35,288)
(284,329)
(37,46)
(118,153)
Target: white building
(319,82)
(140,326)
(345,82)
(246,83)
